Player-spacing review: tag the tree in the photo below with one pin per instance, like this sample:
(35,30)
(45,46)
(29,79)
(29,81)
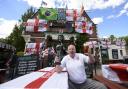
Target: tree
(80,40)
(29,14)
(112,37)
(126,40)
(2,40)
(15,38)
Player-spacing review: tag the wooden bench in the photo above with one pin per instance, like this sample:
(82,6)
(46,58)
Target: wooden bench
(109,84)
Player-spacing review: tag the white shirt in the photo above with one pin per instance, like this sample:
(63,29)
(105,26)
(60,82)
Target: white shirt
(75,67)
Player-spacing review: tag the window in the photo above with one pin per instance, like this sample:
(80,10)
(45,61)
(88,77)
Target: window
(115,53)
(121,52)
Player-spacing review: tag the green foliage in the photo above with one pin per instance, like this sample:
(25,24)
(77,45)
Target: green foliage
(80,40)
(20,53)
(2,40)
(126,39)
(29,14)
(112,37)
(15,38)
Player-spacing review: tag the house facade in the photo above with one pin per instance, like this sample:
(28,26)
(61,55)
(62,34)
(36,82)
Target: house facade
(68,22)
(108,51)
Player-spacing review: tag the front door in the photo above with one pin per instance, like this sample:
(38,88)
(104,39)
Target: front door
(104,56)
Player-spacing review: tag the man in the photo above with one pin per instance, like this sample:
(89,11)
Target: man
(74,63)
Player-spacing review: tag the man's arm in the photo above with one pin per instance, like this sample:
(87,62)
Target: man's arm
(58,68)
(91,58)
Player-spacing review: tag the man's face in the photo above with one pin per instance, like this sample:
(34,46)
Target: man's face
(71,49)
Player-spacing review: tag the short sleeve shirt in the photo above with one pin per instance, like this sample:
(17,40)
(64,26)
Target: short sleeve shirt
(75,67)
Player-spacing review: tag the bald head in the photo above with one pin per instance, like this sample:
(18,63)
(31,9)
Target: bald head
(71,50)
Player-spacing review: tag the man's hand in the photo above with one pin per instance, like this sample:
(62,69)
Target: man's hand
(58,68)
(91,58)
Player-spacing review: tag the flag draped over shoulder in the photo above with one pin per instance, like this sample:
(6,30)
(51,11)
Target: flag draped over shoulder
(48,13)
(36,25)
(80,27)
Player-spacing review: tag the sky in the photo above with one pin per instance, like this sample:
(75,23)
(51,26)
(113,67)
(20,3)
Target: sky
(111,16)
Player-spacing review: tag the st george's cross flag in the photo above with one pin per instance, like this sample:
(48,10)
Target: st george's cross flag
(90,27)
(105,43)
(36,25)
(32,48)
(74,15)
(69,15)
(120,42)
(45,78)
(80,27)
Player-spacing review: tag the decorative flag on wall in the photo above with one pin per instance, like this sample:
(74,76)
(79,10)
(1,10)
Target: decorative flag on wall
(32,48)
(120,42)
(105,43)
(77,15)
(36,25)
(74,15)
(61,14)
(80,27)
(69,15)
(69,26)
(90,27)
(48,13)
(91,44)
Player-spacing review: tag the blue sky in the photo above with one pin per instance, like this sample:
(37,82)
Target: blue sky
(111,16)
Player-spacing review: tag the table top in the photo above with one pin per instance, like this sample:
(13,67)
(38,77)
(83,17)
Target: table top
(42,79)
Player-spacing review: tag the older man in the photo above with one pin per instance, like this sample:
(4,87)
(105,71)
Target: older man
(74,63)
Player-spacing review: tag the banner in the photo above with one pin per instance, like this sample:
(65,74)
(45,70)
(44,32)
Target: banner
(32,48)
(61,14)
(27,64)
(36,25)
(48,13)
(90,27)
(74,15)
(69,26)
(80,27)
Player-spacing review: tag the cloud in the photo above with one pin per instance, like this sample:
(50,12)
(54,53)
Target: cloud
(34,3)
(6,27)
(88,4)
(50,3)
(110,17)
(126,6)
(102,4)
(97,20)
(124,11)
